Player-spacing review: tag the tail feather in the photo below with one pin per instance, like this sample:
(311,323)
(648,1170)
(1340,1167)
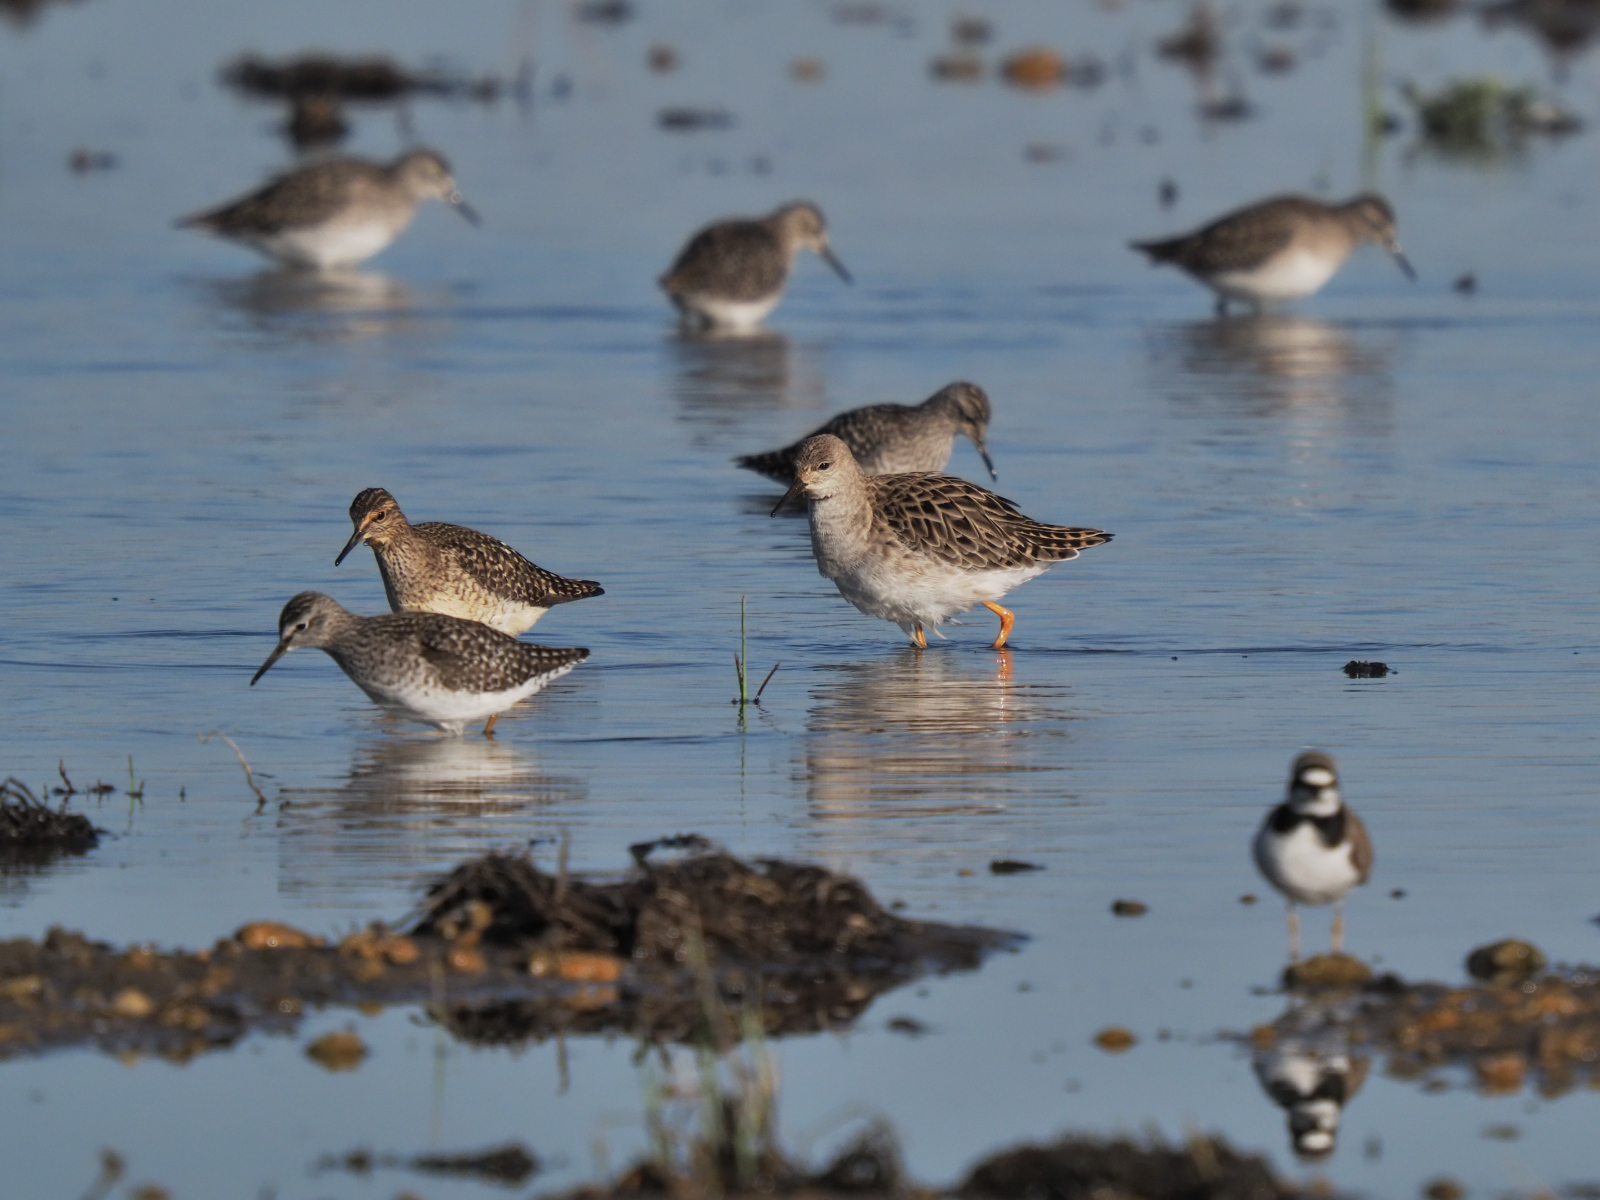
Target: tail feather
(774,464)
(1159,252)
(1061,542)
(575,589)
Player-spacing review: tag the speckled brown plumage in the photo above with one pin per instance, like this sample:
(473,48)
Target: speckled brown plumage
(439,669)
(737,260)
(968,526)
(1280,248)
(336,212)
(732,273)
(307,196)
(888,439)
(435,567)
(916,549)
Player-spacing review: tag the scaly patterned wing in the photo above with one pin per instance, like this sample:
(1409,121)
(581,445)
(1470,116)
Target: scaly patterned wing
(865,430)
(734,260)
(502,570)
(472,657)
(1238,241)
(304,197)
(861,429)
(969,526)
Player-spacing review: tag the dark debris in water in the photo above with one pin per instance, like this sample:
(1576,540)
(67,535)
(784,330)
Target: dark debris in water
(1012,866)
(1072,1168)
(374,79)
(511,1165)
(1084,1168)
(1358,668)
(502,952)
(689,120)
(33,833)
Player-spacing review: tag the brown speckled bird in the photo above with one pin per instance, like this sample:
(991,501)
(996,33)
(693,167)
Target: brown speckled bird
(334,213)
(457,571)
(732,274)
(892,439)
(425,666)
(916,549)
(1279,249)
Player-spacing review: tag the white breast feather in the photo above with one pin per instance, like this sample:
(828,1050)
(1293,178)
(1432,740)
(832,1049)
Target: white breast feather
(1299,865)
(1286,276)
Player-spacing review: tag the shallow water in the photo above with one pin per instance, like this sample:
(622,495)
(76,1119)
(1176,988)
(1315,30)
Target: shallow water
(1391,472)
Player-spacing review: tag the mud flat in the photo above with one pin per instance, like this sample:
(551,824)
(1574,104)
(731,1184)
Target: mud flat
(501,951)
(1516,1023)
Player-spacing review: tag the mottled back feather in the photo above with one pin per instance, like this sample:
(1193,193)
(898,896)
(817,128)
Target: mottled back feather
(308,196)
(1240,240)
(501,570)
(969,526)
(472,657)
(732,260)
(863,430)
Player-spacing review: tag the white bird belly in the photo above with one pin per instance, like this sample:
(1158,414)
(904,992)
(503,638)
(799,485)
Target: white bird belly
(334,244)
(453,710)
(1286,276)
(1302,867)
(921,592)
(731,314)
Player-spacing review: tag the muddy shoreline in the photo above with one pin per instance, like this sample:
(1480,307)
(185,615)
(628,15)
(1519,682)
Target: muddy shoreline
(500,952)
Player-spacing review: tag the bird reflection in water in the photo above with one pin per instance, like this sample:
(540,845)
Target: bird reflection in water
(411,805)
(319,306)
(720,378)
(938,734)
(1274,363)
(1304,1062)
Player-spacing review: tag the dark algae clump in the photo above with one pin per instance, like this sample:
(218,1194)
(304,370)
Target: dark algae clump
(1088,1168)
(33,833)
(503,952)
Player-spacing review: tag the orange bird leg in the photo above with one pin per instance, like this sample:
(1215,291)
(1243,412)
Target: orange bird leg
(488,730)
(918,638)
(1007,620)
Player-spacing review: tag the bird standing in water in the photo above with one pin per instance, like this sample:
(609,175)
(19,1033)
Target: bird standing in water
(334,213)
(917,549)
(1279,249)
(731,274)
(1311,847)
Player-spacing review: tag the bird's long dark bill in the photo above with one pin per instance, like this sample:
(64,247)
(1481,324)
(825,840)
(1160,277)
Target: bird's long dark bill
(283,648)
(466,210)
(1404,264)
(796,488)
(838,267)
(355,540)
(983,452)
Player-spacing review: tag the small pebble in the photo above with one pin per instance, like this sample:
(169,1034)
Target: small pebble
(340,1051)
(1443,1188)
(1247,898)
(1129,908)
(1115,1040)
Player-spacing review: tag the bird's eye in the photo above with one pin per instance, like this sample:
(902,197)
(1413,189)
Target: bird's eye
(379,517)
(824,466)
(300,627)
